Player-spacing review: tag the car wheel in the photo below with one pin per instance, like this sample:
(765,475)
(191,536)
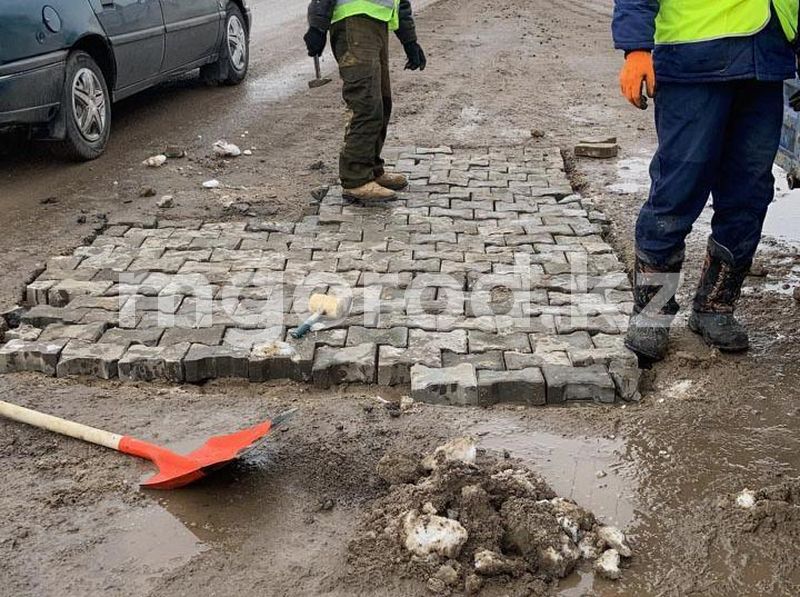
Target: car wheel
(234,52)
(86,106)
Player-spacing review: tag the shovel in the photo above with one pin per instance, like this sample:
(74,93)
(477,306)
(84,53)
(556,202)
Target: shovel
(174,470)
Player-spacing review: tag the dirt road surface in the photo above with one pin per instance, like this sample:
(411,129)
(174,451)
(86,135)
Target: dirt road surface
(708,426)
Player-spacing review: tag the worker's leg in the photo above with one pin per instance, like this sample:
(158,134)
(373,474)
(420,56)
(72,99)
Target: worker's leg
(357,43)
(690,120)
(386,96)
(742,191)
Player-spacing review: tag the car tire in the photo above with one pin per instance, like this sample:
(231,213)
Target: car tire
(86,109)
(234,52)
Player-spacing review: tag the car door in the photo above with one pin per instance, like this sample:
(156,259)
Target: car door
(135,29)
(192,31)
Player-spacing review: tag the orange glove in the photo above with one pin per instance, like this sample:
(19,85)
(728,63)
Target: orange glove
(638,68)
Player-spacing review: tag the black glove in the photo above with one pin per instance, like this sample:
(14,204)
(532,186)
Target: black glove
(794,101)
(315,41)
(416,57)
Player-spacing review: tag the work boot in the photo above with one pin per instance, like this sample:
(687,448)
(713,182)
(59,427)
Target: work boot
(654,307)
(392,180)
(715,301)
(371,191)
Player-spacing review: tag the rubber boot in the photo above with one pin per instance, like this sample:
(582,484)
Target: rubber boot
(719,289)
(654,308)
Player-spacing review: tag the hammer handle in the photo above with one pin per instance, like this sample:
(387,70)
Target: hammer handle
(304,329)
(317,69)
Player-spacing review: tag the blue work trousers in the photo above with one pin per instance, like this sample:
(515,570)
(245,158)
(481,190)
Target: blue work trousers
(717,139)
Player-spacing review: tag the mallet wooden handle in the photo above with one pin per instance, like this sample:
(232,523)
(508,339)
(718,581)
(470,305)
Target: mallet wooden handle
(58,425)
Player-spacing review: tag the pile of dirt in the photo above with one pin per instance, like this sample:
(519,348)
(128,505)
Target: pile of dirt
(772,508)
(464,523)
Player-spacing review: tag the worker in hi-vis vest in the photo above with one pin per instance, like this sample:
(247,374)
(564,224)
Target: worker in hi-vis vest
(716,70)
(360,41)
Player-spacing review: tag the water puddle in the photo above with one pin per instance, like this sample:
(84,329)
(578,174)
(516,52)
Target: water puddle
(589,470)
(140,545)
(783,218)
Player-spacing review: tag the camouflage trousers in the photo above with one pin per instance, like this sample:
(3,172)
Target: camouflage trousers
(361,47)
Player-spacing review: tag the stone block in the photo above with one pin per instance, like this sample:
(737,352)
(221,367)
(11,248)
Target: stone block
(394,364)
(203,362)
(448,385)
(482,342)
(353,364)
(578,383)
(492,360)
(149,363)
(209,336)
(397,337)
(521,360)
(129,337)
(89,359)
(425,343)
(22,355)
(248,339)
(41,316)
(88,333)
(25,332)
(522,386)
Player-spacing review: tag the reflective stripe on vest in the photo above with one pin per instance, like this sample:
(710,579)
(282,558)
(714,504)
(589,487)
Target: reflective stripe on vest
(687,21)
(382,10)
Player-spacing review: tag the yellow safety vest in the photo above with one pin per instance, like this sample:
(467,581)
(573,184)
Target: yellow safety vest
(382,10)
(687,21)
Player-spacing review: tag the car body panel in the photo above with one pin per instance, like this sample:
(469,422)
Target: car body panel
(145,48)
(193,30)
(135,29)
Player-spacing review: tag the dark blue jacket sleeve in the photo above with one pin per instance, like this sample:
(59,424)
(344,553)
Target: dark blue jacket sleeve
(634,25)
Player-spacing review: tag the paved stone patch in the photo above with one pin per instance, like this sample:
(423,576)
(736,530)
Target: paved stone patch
(487,281)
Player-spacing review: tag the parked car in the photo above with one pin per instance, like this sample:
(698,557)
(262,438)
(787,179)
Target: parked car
(63,62)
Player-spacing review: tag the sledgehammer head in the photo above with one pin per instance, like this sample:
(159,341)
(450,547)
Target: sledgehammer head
(330,307)
(319,82)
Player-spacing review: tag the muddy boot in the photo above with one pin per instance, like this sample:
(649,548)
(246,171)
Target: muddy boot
(719,290)
(392,180)
(371,191)
(654,308)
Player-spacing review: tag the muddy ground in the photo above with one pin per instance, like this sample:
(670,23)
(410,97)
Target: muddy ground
(708,426)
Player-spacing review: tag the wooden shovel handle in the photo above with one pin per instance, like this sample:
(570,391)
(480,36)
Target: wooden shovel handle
(62,426)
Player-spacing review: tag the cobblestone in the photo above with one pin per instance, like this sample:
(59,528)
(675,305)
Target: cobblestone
(488,280)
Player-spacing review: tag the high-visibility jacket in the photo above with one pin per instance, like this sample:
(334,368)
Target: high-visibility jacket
(686,21)
(382,10)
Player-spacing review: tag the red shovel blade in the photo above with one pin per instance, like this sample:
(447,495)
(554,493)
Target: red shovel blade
(176,470)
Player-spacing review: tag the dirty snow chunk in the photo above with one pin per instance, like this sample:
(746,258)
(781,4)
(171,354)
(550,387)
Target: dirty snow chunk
(211,184)
(462,449)
(615,539)
(247,152)
(166,202)
(406,403)
(491,563)
(447,574)
(570,527)
(429,534)
(746,499)
(155,161)
(224,149)
(273,349)
(588,547)
(607,565)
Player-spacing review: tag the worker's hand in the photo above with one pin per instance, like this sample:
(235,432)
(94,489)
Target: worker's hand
(315,41)
(638,69)
(794,101)
(416,57)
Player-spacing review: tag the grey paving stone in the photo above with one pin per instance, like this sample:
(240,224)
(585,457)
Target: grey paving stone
(456,385)
(89,359)
(566,384)
(23,355)
(41,316)
(149,363)
(492,360)
(209,336)
(248,339)
(128,337)
(24,331)
(202,363)
(482,342)
(397,337)
(522,386)
(394,364)
(353,364)
(88,333)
